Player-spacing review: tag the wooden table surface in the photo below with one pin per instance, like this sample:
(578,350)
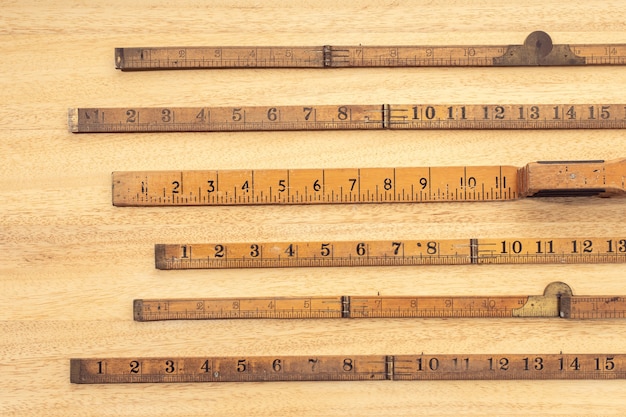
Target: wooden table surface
(72,263)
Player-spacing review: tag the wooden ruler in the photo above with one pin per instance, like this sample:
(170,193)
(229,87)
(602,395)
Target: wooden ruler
(349,368)
(368,185)
(345,117)
(391,253)
(557,301)
(538,49)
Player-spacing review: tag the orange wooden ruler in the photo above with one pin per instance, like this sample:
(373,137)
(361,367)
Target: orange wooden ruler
(475,251)
(368,185)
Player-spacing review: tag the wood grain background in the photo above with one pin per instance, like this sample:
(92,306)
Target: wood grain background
(71,263)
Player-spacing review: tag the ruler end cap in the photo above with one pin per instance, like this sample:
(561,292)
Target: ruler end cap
(159,256)
(75,371)
(72,120)
(119,58)
(138,310)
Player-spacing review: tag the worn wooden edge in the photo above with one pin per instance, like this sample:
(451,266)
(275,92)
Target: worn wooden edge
(159,256)
(72,120)
(113,188)
(119,58)
(138,310)
(75,371)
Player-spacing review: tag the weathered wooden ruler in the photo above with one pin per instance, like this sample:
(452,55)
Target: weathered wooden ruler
(557,300)
(537,49)
(347,117)
(369,185)
(391,252)
(459,366)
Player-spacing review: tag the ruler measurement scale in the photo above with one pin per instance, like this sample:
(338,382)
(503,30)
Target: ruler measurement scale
(391,253)
(557,301)
(348,117)
(537,50)
(348,368)
(368,185)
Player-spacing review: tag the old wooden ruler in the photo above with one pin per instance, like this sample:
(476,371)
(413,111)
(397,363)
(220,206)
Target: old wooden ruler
(476,251)
(368,185)
(345,117)
(557,301)
(348,368)
(537,49)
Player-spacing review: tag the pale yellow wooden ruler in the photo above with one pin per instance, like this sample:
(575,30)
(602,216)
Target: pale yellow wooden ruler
(537,50)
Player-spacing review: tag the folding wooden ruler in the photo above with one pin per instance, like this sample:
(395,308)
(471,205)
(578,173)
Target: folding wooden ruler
(345,117)
(369,185)
(446,366)
(557,301)
(537,49)
(473,251)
